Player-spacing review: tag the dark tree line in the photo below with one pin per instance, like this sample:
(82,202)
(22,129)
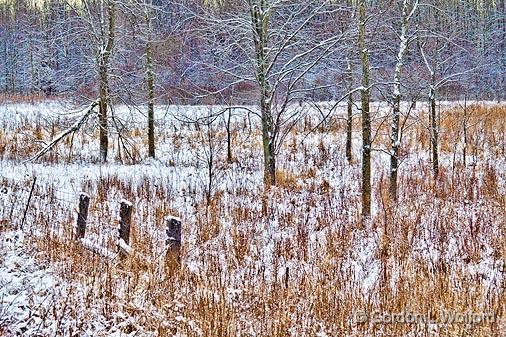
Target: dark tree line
(47,48)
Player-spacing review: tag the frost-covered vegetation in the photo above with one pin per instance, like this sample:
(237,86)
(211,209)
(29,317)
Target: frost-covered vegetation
(252,168)
(297,260)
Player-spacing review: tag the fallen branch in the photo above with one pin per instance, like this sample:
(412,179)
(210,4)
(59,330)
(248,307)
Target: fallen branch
(73,129)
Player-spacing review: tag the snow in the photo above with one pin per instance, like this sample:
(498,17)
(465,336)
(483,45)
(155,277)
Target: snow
(96,247)
(26,288)
(34,299)
(84,194)
(124,246)
(171,217)
(126,202)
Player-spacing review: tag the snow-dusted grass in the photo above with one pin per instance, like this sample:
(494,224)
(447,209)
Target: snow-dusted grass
(294,261)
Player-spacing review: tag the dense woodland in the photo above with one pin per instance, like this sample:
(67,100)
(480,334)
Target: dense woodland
(204,49)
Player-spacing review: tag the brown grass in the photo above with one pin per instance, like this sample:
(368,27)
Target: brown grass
(426,250)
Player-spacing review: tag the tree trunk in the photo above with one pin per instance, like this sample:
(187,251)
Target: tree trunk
(464,150)
(260,21)
(14,64)
(349,117)
(366,119)
(267,142)
(150,79)
(502,13)
(104,54)
(395,138)
(394,151)
(229,137)
(32,66)
(102,113)
(6,67)
(434,131)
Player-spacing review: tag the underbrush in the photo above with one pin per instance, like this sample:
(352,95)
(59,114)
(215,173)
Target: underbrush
(297,260)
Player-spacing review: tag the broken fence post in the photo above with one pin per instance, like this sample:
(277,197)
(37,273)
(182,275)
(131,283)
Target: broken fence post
(82,216)
(125,221)
(173,240)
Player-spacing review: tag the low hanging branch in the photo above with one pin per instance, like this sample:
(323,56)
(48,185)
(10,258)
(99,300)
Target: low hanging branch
(71,130)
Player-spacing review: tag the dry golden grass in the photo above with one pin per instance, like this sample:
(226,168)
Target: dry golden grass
(426,251)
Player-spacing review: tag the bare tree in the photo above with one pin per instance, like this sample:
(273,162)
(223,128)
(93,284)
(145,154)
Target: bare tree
(349,112)
(366,118)
(105,39)
(443,46)
(409,9)
(98,22)
(276,50)
(150,79)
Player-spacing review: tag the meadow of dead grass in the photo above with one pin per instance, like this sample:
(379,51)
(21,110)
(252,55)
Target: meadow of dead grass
(298,261)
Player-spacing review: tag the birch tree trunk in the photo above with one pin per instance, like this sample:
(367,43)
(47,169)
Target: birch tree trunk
(366,118)
(395,138)
(229,136)
(6,67)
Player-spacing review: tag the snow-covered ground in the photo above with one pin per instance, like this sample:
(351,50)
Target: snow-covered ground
(26,288)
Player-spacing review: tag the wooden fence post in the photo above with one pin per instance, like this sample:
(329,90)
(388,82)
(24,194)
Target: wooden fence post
(28,202)
(82,216)
(173,240)
(125,221)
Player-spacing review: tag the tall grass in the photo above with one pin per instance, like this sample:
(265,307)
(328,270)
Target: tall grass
(298,261)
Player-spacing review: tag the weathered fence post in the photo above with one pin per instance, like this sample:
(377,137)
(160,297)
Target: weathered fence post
(125,221)
(28,202)
(173,240)
(82,216)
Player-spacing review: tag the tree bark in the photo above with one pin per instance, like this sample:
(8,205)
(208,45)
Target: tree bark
(366,119)
(260,21)
(349,117)
(395,137)
(394,151)
(268,144)
(6,66)
(150,87)
(434,130)
(103,60)
(464,150)
(102,113)
(230,157)
(502,13)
